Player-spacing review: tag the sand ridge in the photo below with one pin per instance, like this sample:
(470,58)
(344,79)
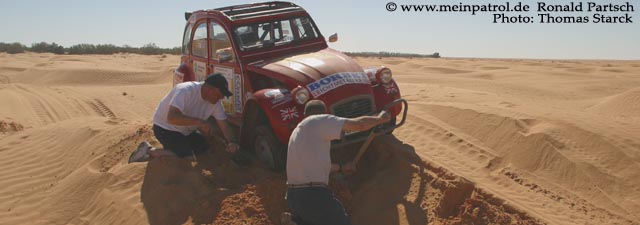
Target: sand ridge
(549,136)
(487,141)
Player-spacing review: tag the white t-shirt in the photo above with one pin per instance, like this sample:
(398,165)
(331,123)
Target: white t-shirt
(186,97)
(309,156)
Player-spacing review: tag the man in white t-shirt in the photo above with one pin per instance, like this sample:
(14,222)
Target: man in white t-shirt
(309,163)
(181,118)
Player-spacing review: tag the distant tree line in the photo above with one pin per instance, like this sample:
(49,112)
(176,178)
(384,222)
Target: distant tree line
(392,54)
(150,49)
(80,49)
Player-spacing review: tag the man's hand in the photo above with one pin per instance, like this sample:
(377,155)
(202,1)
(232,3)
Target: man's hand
(232,147)
(205,127)
(384,116)
(366,122)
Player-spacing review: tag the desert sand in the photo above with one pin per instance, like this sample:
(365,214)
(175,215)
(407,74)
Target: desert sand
(487,141)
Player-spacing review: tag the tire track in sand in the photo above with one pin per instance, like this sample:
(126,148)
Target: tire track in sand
(435,141)
(100,108)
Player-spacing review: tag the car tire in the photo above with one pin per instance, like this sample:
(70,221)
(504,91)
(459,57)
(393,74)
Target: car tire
(269,149)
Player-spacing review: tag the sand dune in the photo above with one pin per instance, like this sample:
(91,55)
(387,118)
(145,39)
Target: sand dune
(624,104)
(543,126)
(487,141)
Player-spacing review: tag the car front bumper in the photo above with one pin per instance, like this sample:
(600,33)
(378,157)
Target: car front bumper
(357,137)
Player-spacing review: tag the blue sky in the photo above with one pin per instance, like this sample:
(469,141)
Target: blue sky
(362,26)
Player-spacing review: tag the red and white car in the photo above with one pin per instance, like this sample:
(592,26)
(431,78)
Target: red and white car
(275,60)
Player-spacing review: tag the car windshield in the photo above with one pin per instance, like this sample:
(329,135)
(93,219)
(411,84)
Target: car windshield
(275,33)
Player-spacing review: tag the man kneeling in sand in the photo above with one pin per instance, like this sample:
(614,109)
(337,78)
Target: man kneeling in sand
(181,118)
(309,165)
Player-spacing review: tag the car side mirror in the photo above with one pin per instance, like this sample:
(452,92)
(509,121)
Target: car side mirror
(333,37)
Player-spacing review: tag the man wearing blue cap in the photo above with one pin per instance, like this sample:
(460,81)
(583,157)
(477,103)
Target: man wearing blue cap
(181,118)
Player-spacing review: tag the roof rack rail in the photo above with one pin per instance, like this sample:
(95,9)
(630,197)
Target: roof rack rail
(258,9)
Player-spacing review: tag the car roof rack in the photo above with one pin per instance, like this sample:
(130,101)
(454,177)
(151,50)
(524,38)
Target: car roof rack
(237,12)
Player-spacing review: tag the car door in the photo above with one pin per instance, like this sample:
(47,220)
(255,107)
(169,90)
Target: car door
(200,51)
(224,60)
(184,71)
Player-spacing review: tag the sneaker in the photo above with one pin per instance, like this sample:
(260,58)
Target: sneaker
(287,219)
(141,154)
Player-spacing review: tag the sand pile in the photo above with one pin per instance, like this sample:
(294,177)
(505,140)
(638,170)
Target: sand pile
(6,127)
(624,104)
(395,186)
(486,142)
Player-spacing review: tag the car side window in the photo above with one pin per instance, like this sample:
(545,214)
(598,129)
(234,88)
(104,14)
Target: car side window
(287,34)
(305,28)
(219,43)
(267,31)
(186,39)
(199,44)
(274,33)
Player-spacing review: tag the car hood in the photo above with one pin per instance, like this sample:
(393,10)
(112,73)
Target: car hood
(309,67)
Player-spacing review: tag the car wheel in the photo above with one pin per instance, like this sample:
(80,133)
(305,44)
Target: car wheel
(269,149)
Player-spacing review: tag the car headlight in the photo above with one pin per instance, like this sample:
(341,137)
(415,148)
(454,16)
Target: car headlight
(301,94)
(385,76)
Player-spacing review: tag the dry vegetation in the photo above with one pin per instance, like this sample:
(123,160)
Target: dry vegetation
(81,49)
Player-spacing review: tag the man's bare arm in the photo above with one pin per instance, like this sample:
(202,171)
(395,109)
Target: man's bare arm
(226,130)
(366,122)
(176,117)
(232,146)
(343,167)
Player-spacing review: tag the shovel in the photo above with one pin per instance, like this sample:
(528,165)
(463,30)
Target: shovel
(240,157)
(377,130)
(365,145)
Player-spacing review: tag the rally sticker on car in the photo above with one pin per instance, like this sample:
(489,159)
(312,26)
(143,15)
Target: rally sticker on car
(237,92)
(390,88)
(289,113)
(200,70)
(334,81)
(227,72)
(278,96)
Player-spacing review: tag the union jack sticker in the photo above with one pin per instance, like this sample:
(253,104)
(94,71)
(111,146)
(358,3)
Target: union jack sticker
(289,113)
(390,88)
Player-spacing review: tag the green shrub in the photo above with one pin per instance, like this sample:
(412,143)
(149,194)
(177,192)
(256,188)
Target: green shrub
(12,48)
(150,49)
(106,49)
(46,47)
(81,49)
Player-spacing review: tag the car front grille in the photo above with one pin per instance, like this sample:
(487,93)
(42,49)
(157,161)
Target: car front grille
(353,107)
